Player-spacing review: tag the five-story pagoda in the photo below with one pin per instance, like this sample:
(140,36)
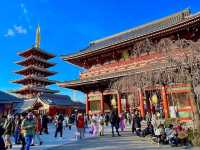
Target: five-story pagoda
(35,71)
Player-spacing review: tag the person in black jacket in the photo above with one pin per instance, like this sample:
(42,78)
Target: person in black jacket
(114,120)
(2,143)
(45,122)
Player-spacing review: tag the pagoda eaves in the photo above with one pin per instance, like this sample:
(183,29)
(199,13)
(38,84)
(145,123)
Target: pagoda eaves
(32,68)
(29,60)
(37,52)
(33,78)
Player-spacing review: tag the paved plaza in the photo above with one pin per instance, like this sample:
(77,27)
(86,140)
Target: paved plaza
(125,142)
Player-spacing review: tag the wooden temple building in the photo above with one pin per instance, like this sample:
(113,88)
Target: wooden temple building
(8,103)
(35,92)
(117,56)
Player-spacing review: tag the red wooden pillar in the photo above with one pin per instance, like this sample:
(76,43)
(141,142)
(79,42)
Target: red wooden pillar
(141,96)
(102,103)
(119,103)
(165,102)
(87,104)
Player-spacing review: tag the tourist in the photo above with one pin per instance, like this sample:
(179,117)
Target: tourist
(38,128)
(59,125)
(65,120)
(80,125)
(17,126)
(148,130)
(101,125)
(155,121)
(114,120)
(21,136)
(70,122)
(2,143)
(122,122)
(137,121)
(45,121)
(148,117)
(160,134)
(28,127)
(133,123)
(171,135)
(9,127)
(182,136)
(107,119)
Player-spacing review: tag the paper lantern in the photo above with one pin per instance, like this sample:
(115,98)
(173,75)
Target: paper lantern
(154,99)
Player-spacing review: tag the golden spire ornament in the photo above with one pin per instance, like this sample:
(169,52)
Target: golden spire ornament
(37,40)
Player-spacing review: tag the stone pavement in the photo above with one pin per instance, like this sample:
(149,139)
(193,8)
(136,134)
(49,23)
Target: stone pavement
(125,142)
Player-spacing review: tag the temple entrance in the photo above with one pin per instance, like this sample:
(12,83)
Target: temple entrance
(153,102)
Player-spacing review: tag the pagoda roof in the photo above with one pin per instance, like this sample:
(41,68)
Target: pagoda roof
(8,98)
(31,88)
(35,78)
(168,24)
(35,51)
(26,61)
(36,69)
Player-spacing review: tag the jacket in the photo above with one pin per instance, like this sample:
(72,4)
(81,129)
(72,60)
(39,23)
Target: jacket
(8,126)
(28,126)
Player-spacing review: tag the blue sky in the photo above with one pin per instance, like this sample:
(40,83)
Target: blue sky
(67,26)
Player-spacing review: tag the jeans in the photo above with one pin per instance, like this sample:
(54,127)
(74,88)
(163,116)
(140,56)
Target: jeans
(116,128)
(28,139)
(59,129)
(81,132)
(16,137)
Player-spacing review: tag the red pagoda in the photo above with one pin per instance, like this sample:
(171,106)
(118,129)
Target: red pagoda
(35,71)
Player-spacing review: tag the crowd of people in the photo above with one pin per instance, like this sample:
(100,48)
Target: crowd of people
(27,128)
(159,132)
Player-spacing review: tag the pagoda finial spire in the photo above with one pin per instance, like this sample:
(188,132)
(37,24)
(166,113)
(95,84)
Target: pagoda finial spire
(37,39)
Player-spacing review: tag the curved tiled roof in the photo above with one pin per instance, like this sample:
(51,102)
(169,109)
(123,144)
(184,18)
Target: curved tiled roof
(25,53)
(139,32)
(8,98)
(55,99)
(35,78)
(34,68)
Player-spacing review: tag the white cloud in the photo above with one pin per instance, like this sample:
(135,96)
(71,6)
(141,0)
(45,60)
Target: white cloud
(16,29)
(20,29)
(10,33)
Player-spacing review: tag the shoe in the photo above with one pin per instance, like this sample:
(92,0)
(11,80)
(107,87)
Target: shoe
(119,134)
(41,143)
(32,144)
(113,135)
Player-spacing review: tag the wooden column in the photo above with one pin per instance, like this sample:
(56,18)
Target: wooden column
(102,103)
(87,104)
(119,103)
(165,102)
(141,97)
